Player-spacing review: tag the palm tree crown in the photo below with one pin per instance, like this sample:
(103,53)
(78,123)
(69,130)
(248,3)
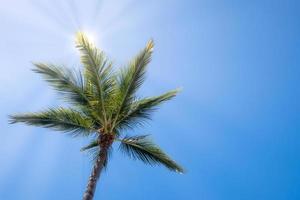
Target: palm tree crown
(103,104)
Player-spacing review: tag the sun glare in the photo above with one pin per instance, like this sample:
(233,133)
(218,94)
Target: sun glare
(91,36)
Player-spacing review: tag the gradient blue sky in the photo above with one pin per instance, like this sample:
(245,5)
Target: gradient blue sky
(235,127)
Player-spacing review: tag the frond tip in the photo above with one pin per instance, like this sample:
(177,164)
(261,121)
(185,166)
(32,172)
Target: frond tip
(142,148)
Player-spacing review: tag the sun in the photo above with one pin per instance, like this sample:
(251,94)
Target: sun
(91,35)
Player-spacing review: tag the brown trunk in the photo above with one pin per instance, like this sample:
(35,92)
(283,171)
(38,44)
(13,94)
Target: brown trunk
(105,141)
(98,166)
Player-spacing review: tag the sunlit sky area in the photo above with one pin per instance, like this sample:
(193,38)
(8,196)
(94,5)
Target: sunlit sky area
(235,127)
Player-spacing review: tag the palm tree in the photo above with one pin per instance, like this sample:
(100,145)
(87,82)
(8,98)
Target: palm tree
(102,104)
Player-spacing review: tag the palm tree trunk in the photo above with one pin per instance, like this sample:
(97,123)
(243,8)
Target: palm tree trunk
(98,166)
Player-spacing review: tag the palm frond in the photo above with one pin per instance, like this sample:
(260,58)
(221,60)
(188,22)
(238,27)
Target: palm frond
(71,85)
(91,145)
(63,80)
(132,77)
(98,71)
(61,119)
(141,110)
(141,148)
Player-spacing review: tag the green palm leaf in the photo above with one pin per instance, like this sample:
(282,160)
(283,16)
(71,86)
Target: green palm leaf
(140,147)
(98,72)
(91,145)
(60,119)
(141,110)
(131,78)
(71,85)
(64,80)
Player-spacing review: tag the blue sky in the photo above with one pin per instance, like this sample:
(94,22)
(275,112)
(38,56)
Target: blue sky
(235,127)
